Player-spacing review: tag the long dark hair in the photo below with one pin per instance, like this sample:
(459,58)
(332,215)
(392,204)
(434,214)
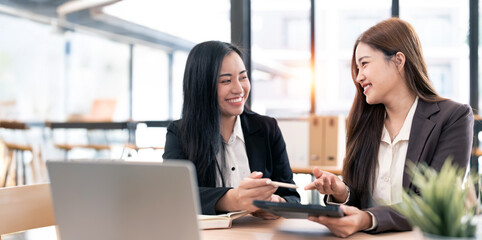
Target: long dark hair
(200,123)
(365,122)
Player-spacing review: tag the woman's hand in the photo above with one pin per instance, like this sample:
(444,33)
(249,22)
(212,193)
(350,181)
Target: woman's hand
(329,184)
(355,220)
(251,188)
(266,215)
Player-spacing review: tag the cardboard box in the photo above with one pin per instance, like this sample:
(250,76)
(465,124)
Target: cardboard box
(327,140)
(316,132)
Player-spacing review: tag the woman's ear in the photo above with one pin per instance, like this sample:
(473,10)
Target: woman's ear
(399,59)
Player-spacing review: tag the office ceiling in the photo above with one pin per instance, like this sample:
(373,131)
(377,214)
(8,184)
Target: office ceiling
(46,8)
(88,14)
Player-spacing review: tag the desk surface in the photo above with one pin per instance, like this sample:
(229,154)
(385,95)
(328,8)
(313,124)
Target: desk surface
(250,227)
(247,228)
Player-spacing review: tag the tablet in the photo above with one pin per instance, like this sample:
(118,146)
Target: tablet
(296,210)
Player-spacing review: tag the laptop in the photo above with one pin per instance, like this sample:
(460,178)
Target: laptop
(113,200)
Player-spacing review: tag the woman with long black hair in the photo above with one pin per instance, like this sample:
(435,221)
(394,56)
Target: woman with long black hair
(236,152)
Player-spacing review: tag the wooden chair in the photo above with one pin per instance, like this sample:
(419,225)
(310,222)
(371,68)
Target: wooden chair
(68,147)
(25,207)
(12,168)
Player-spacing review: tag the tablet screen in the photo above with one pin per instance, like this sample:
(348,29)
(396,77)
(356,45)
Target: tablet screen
(296,210)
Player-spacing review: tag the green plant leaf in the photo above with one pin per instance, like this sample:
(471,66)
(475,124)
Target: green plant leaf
(441,208)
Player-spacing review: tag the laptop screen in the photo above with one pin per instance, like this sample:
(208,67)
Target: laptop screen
(124,200)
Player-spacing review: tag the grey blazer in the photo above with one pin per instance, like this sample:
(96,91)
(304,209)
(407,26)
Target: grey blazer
(439,130)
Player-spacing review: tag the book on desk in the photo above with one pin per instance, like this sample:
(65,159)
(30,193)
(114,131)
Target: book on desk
(220,220)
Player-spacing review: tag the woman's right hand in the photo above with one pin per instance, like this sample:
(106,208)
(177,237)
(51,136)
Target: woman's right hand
(251,188)
(329,184)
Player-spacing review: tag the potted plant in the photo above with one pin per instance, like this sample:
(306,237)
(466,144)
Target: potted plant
(445,206)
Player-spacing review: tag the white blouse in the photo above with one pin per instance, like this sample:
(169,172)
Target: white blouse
(391,163)
(236,165)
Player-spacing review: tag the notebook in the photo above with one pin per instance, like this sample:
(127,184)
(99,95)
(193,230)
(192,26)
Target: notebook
(124,200)
(220,220)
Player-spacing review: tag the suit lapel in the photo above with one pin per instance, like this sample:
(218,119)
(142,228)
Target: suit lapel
(254,144)
(421,129)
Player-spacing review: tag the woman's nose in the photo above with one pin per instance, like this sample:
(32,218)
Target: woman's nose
(359,77)
(237,88)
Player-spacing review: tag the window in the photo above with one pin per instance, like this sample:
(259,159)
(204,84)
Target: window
(31,71)
(150,90)
(193,20)
(337,26)
(180,59)
(443,30)
(97,68)
(281,76)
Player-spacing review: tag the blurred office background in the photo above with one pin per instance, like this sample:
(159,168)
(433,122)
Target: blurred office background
(123,61)
(53,66)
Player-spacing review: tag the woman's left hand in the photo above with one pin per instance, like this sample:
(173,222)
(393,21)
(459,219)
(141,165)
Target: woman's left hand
(354,220)
(266,215)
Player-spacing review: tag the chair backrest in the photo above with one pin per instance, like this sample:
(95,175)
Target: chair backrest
(102,110)
(14,132)
(25,207)
(13,125)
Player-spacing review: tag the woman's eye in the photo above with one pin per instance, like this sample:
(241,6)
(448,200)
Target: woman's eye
(225,81)
(364,63)
(244,77)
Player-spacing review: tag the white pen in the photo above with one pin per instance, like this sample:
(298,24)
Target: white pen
(281,184)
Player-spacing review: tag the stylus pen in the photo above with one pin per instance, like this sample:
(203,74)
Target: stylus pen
(281,184)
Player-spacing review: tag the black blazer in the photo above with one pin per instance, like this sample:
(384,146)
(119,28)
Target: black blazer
(266,150)
(439,130)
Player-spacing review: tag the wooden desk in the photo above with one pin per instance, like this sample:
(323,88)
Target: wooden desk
(249,227)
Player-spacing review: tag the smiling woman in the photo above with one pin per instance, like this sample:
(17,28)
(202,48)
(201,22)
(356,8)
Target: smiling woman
(396,117)
(235,151)
(233,90)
